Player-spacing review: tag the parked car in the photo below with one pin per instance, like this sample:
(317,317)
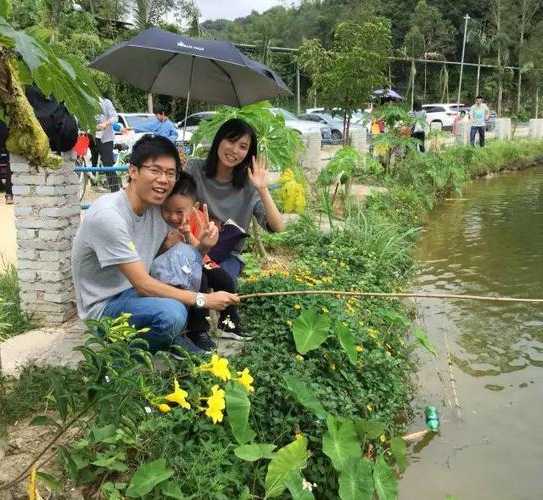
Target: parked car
(442,114)
(304,126)
(334,122)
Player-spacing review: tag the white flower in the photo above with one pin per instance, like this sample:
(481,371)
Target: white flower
(148,410)
(306,485)
(107,379)
(229,323)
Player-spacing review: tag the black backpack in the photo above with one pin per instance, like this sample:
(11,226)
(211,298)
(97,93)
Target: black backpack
(57,123)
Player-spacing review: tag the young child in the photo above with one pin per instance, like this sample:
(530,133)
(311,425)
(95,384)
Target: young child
(186,268)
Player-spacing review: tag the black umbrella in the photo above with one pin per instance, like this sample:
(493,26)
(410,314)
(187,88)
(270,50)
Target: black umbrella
(213,71)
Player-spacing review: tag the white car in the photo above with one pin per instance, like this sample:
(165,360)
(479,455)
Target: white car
(442,114)
(304,126)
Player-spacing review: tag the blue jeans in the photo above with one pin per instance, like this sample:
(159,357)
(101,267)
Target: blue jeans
(473,132)
(233,266)
(165,317)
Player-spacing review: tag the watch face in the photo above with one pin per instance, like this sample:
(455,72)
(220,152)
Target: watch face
(200,301)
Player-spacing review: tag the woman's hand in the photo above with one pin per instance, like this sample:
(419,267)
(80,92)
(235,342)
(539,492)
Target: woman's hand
(258,174)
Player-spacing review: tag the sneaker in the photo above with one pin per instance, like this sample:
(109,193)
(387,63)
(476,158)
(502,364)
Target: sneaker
(235,335)
(182,342)
(202,340)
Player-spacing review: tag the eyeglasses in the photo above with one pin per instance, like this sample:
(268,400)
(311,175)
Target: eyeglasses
(171,175)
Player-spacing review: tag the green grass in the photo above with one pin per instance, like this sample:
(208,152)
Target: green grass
(13,320)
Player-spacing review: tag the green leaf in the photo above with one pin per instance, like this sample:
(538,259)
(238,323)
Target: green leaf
(424,341)
(347,341)
(356,481)
(102,434)
(295,484)
(254,452)
(384,479)
(340,442)
(238,408)
(50,481)
(305,396)
(171,490)
(398,449)
(148,476)
(45,420)
(112,462)
(371,429)
(291,457)
(310,330)
(5,8)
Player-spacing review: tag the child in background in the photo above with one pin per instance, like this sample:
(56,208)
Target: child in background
(180,211)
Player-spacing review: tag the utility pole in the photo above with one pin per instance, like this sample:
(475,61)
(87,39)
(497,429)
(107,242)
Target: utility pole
(298,104)
(466,19)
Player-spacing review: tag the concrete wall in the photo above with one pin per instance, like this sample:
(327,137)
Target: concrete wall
(503,128)
(358,139)
(310,159)
(536,128)
(47,215)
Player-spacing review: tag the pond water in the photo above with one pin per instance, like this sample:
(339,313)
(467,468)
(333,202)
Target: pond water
(489,241)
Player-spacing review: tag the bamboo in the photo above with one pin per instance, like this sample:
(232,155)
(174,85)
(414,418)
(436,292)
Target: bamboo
(391,295)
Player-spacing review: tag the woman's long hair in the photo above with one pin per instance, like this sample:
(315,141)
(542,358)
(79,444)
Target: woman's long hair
(232,130)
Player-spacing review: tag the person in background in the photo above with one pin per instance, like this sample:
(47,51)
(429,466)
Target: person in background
(479,114)
(103,143)
(163,126)
(5,171)
(459,129)
(419,128)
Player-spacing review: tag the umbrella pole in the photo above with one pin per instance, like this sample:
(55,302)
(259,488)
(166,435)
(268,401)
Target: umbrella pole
(188,98)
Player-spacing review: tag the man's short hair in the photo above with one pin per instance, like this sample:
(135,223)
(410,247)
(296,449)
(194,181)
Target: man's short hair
(151,147)
(160,110)
(479,97)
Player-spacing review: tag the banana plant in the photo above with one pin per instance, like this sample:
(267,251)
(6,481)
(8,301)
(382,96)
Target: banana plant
(25,60)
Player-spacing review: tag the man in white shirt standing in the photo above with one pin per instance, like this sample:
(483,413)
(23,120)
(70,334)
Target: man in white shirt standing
(479,114)
(104,141)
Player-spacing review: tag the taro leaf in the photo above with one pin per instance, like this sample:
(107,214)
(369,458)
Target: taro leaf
(305,396)
(291,457)
(45,420)
(356,481)
(254,452)
(171,490)
(399,452)
(371,429)
(384,479)
(238,407)
(295,485)
(310,330)
(347,341)
(424,341)
(50,481)
(340,442)
(111,462)
(148,476)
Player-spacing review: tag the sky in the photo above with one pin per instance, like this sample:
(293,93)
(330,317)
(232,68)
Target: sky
(231,9)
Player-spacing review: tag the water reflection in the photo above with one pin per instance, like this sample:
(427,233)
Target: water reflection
(490,244)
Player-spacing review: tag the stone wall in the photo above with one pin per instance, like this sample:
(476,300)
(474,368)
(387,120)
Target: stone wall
(503,128)
(536,128)
(358,139)
(47,215)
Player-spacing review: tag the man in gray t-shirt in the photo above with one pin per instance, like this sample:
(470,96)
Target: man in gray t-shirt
(116,243)
(479,116)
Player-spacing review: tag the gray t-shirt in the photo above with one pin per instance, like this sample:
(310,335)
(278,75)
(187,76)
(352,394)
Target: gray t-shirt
(107,112)
(111,234)
(478,115)
(225,202)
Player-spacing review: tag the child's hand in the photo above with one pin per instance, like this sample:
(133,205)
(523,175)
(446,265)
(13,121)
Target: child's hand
(209,233)
(172,238)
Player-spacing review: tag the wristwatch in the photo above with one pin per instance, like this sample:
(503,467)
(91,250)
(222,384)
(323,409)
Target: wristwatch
(200,300)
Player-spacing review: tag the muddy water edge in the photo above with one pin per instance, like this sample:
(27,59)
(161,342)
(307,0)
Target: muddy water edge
(487,380)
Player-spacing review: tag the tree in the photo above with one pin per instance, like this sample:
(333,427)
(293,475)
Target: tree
(479,40)
(358,50)
(25,60)
(527,11)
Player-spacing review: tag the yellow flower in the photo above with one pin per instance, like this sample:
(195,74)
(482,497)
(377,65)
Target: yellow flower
(333,366)
(299,358)
(289,323)
(359,348)
(297,306)
(325,310)
(382,438)
(215,404)
(369,407)
(178,396)
(246,380)
(299,435)
(218,367)
(164,408)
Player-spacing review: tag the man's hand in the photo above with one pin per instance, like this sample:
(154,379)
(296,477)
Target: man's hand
(219,301)
(208,233)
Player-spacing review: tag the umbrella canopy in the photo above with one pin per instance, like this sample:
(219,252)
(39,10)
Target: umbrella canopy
(388,94)
(213,71)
